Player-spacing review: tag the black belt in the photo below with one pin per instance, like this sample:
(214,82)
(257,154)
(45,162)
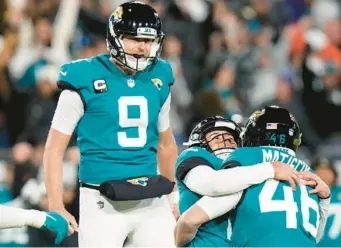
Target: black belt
(134,188)
(89,186)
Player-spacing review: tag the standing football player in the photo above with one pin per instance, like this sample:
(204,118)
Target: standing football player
(279,216)
(198,174)
(11,217)
(118,104)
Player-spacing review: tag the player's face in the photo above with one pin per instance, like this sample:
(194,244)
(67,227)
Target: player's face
(139,47)
(220,139)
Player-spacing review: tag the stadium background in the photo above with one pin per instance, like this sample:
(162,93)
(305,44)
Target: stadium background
(229,58)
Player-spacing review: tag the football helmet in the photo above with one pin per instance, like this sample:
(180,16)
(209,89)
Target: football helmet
(272,126)
(138,20)
(197,137)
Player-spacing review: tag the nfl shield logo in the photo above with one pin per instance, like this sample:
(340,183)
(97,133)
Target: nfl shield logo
(131,83)
(291,132)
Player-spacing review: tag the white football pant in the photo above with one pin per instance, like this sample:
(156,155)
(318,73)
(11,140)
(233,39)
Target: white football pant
(105,223)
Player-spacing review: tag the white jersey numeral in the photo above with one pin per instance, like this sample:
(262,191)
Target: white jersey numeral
(140,123)
(288,204)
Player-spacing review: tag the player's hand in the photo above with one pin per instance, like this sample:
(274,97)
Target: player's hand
(57,224)
(175,210)
(73,226)
(284,172)
(308,179)
(173,199)
(313,180)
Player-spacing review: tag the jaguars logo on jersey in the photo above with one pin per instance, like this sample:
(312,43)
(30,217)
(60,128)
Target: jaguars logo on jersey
(157,82)
(142,181)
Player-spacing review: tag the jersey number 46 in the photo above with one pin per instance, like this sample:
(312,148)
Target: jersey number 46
(267,204)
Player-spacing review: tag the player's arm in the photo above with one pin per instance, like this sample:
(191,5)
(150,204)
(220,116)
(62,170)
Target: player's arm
(204,210)
(68,112)
(197,174)
(11,217)
(167,153)
(167,148)
(323,210)
(324,193)
(200,178)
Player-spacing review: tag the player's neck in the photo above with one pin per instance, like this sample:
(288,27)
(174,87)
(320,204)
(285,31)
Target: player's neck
(125,70)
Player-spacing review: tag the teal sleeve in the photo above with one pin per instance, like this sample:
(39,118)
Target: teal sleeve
(167,78)
(245,156)
(233,160)
(170,74)
(190,159)
(67,77)
(73,75)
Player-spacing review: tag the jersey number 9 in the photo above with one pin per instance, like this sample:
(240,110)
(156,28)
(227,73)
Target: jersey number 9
(140,123)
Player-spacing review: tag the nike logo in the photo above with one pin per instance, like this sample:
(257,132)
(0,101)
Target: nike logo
(63,73)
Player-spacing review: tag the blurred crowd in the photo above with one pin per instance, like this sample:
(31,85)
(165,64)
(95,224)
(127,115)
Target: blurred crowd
(229,57)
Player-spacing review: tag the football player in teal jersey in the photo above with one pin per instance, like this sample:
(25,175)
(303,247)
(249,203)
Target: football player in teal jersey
(332,234)
(118,105)
(198,173)
(272,213)
(11,217)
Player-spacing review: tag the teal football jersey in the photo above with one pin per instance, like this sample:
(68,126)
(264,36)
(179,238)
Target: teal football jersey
(332,232)
(214,232)
(118,133)
(270,213)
